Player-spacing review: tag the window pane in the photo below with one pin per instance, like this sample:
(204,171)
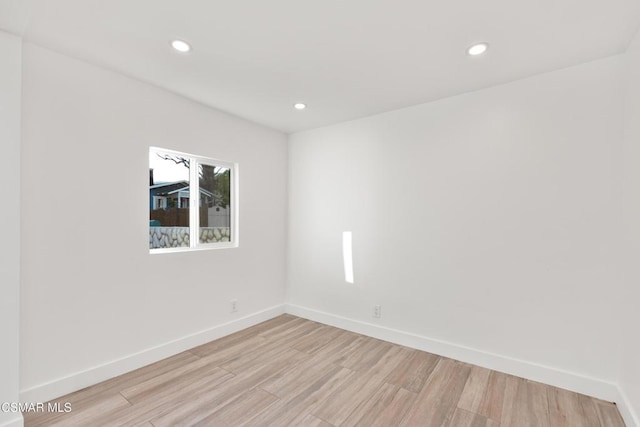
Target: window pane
(168,200)
(215,204)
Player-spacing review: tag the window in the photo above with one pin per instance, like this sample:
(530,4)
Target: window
(192,202)
(160,202)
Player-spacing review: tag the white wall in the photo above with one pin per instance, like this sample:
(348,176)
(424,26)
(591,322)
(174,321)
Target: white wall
(490,221)
(630,374)
(10,86)
(92,295)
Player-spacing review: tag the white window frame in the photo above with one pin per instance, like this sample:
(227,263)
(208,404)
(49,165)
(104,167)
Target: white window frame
(194,214)
(162,204)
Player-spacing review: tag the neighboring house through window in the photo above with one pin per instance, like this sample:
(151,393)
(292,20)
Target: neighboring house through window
(192,202)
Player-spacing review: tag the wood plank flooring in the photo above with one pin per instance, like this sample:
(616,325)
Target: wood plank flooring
(292,371)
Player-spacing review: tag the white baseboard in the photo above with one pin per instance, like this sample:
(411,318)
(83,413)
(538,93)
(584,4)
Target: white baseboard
(572,381)
(16,421)
(79,380)
(629,415)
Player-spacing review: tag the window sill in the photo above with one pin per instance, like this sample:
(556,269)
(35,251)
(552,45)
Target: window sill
(205,247)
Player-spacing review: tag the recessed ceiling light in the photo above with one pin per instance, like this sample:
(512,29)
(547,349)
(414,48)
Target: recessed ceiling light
(299,106)
(478,49)
(181,46)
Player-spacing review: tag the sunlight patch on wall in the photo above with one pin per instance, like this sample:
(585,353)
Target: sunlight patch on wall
(347,254)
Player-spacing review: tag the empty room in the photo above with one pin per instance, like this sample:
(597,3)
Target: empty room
(329,213)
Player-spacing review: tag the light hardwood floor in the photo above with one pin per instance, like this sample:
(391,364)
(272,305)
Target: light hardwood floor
(292,371)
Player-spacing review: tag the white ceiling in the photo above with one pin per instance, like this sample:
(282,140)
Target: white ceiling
(344,58)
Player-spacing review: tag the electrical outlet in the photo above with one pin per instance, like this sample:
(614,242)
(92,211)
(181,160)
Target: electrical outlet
(234,305)
(377,311)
